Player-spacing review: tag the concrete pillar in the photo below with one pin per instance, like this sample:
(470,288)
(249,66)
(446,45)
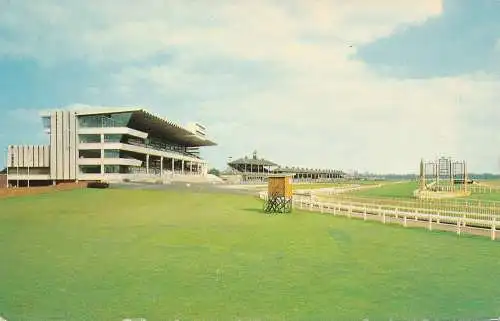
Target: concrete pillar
(147,163)
(102,154)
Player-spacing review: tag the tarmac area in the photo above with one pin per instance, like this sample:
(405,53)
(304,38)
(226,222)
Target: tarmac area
(190,187)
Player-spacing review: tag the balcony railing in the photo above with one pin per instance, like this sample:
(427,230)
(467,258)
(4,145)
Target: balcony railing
(160,147)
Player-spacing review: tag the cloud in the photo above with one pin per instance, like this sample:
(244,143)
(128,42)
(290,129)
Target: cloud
(132,30)
(268,75)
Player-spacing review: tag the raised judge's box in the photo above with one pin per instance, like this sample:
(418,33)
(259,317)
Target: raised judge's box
(279,194)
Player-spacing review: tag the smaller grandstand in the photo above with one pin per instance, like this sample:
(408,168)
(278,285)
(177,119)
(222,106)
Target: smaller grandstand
(255,170)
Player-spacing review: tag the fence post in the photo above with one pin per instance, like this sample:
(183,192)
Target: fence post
(493,229)
(364,214)
(383,217)
(350,211)
(416,217)
(438,215)
(404,220)
(396,213)
(430,222)
(459,224)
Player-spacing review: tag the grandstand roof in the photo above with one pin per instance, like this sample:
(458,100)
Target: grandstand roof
(161,127)
(254,160)
(145,121)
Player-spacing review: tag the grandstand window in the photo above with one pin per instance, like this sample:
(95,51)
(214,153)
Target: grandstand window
(112,168)
(111,153)
(89,153)
(108,120)
(90,138)
(46,122)
(112,138)
(90,169)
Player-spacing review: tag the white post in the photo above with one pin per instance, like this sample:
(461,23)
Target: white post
(102,155)
(404,220)
(493,229)
(161,166)
(430,222)
(364,214)
(458,226)
(147,163)
(173,165)
(383,217)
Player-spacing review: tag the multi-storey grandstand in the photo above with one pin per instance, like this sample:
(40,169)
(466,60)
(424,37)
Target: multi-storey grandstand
(108,144)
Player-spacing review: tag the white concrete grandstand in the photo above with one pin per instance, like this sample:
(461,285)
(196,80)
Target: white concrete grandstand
(112,144)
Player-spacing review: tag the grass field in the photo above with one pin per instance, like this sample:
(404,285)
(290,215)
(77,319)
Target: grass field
(339,184)
(404,190)
(112,254)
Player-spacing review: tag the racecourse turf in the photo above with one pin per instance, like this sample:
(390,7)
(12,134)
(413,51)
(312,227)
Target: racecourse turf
(166,255)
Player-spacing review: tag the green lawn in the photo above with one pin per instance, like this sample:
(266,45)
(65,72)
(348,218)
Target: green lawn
(404,190)
(336,184)
(316,185)
(390,190)
(112,254)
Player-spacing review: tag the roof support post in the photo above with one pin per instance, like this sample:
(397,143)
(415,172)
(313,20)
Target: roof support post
(182,168)
(102,155)
(161,166)
(147,163)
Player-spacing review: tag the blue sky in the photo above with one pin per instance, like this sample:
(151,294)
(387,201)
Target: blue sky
(352,85)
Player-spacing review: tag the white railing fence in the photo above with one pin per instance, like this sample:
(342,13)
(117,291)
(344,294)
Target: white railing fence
(473,222)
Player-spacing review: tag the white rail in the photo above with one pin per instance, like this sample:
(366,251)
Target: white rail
(461,221)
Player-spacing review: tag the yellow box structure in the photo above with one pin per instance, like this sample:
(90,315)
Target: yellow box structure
(279,194)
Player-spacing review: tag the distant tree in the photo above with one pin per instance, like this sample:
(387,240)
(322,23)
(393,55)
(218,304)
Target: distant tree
(214,171)
(4,171)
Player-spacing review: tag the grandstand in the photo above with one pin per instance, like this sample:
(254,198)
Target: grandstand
(254,169)
(110,144)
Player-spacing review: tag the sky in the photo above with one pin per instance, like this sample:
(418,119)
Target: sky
(353,85)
